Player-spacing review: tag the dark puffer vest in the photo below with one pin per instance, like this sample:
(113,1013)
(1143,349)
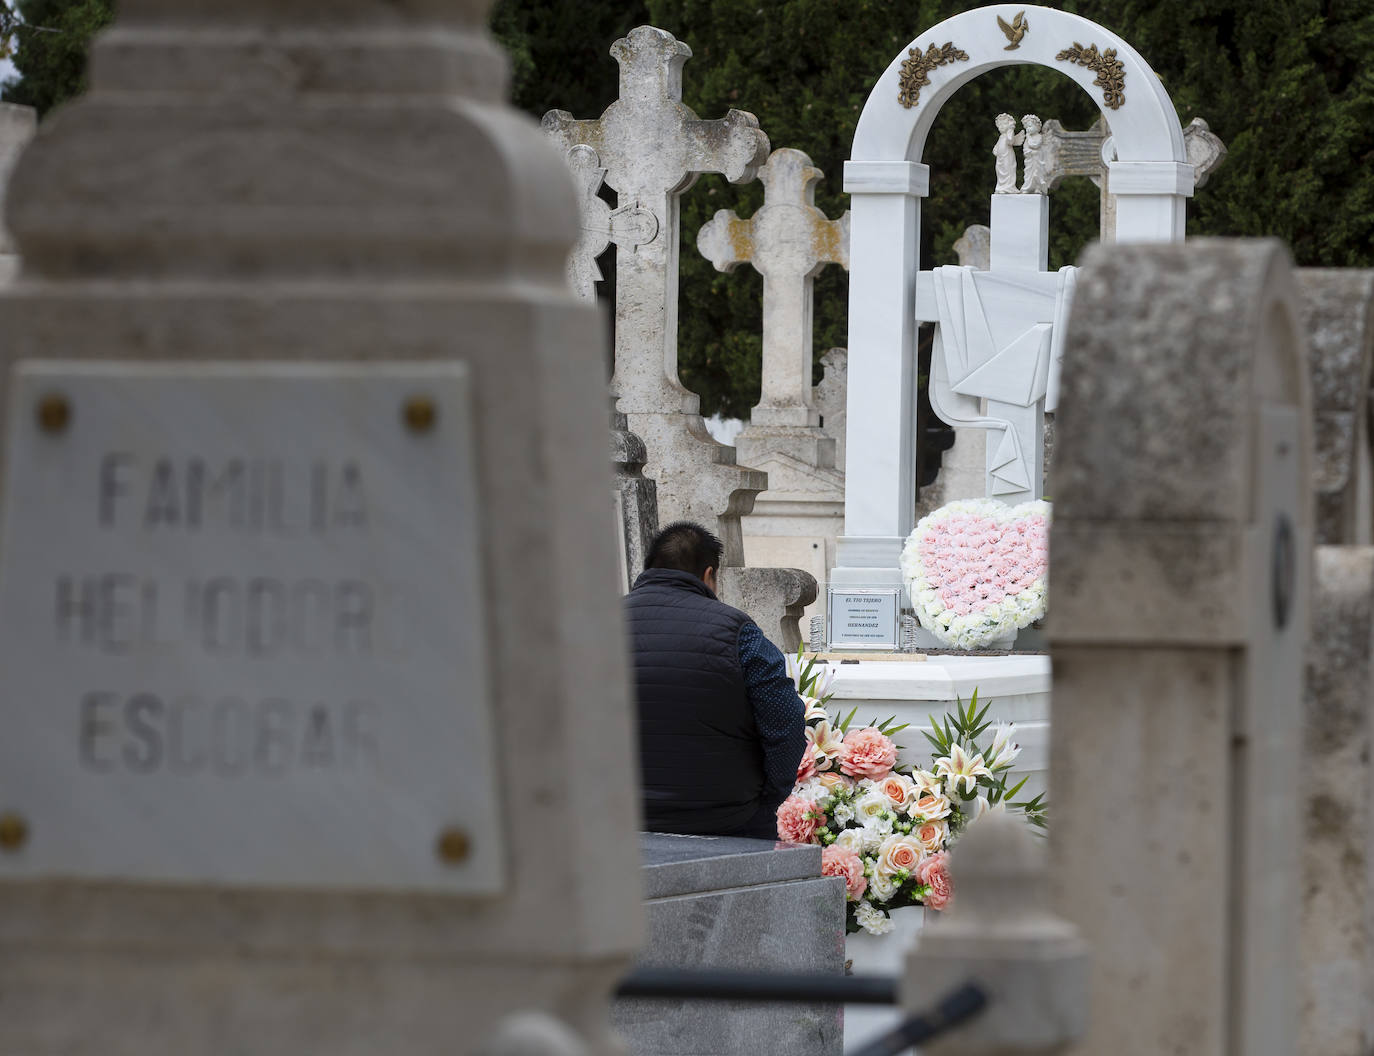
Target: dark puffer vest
(699,749)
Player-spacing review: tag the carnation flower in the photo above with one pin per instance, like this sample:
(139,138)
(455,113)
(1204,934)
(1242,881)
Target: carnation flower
(867,753)
(871,919)
(933,872)
(838,860)
(806,769)
(798,820)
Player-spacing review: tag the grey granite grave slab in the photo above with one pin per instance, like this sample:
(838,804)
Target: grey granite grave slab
(739,904)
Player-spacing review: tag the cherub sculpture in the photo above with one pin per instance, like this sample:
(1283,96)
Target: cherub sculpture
(1035,178)
(1005,153)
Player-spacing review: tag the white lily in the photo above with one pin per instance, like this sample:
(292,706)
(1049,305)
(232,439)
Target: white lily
(927,784)
(1003,750)
(962,770)
(828,742)
(814,709)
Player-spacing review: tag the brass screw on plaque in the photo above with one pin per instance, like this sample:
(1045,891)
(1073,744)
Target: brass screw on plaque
(14,832)
(453,846)
(419,414)
(54,412)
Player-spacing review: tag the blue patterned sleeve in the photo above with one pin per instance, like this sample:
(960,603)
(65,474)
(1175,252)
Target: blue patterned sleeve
(778,711)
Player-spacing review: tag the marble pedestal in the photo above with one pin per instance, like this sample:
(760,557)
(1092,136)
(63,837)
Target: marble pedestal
(721,902)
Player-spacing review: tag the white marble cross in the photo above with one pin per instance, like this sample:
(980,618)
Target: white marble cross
(650,148)
(996,341)
(788,241)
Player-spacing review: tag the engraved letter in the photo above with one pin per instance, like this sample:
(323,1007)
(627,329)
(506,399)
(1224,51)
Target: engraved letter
(112,485)
(93,726)
(139,713)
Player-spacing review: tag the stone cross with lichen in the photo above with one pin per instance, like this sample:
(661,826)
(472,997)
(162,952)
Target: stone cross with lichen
(788,241)
(649,148)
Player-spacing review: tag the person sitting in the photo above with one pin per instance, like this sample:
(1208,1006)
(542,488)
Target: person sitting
(721,728)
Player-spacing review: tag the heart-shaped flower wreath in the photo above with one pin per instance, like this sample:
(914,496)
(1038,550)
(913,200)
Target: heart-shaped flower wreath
(977,569)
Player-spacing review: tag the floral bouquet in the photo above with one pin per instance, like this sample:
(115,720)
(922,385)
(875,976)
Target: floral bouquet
(885,828)
(977,569)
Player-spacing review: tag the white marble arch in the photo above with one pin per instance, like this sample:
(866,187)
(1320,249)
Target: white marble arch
(886,181)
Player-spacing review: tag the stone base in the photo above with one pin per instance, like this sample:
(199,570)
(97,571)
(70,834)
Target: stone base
(719,902)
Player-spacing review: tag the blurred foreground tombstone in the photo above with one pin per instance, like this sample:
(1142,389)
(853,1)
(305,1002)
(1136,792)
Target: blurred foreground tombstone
(288,606)
(1181,551)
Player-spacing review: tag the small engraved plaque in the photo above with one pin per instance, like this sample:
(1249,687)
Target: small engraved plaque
(241,627)
(865,618)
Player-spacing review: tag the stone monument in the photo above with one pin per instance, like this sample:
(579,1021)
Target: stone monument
(1181,550)
(789,241)
(294,763)
(649,148)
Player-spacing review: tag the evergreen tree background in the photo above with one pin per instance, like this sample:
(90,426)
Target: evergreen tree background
(50,45)
(1283,82)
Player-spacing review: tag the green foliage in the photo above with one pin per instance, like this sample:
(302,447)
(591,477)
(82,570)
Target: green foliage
(50,53)
(1283,82)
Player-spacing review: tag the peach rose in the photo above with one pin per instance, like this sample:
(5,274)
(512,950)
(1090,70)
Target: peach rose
(899,790)
(933,872)
(897,853)
(932,835)
(841,861)
(806,769)
(832,781)
(931,808)
(798,820)
(867,753)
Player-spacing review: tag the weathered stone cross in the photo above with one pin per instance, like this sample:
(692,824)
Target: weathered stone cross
(649,148)
(652,148)
(788,241)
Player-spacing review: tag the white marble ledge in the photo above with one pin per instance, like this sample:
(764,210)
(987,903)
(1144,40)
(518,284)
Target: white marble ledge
(942,678)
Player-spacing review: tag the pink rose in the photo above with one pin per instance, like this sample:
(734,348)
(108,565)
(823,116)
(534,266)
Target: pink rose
(798,820)
(933,872)
(806,769)
(841,861)
(867,753)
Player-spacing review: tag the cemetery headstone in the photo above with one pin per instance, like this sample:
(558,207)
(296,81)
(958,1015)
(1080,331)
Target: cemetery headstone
(287,606)
(1336,955)
(649,148)
(1338,319)
(1181,549)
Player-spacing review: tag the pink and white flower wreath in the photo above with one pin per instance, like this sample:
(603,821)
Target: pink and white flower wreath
(978,569)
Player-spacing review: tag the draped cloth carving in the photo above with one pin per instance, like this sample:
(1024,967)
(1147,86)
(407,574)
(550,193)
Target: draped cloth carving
(985,349)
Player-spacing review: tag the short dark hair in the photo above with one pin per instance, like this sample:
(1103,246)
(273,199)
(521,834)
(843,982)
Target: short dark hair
(685,546)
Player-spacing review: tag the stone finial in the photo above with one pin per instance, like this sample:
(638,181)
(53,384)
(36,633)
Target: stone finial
(649,148)
(1206,151)
(974,247)
(1001,934)
(788,241)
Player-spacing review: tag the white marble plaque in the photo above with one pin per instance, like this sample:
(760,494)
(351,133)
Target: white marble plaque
(863,618)
(241,627)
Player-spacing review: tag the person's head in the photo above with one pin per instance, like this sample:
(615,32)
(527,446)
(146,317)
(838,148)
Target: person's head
(1031,124)
(687,547)
(1006,124)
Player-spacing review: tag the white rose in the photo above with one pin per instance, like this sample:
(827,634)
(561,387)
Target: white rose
(855,840)
(882,887)
(871,804)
